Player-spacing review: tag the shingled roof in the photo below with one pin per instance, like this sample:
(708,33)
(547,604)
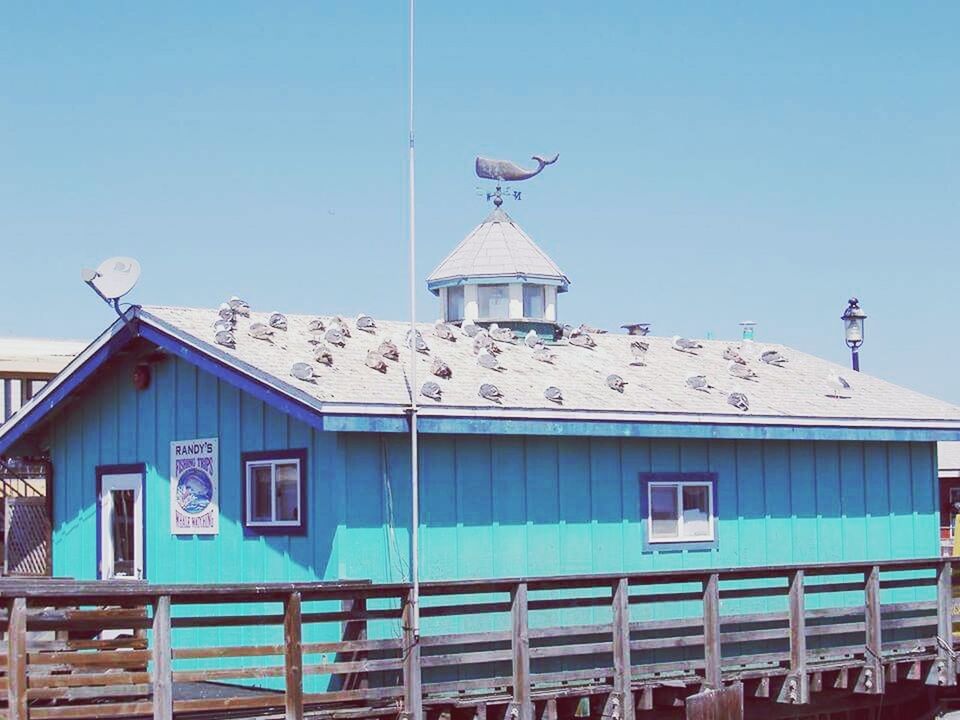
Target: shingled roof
(797,392)
(497,247)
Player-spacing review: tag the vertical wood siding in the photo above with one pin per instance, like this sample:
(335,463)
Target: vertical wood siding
(492,505)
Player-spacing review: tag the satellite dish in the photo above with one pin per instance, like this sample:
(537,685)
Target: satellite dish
(114,278)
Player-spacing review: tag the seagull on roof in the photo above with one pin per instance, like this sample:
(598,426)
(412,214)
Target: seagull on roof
(585,329)
(444,331)
(226,338)
(316,325)
(240,307)
(741,371)
(685,345)
(439,368)
(732,354)
(342,324)
(366,323)
(637,328)
(322,354)
(553,394)
(567,332)
(431,390)
(389,350)
(639,349)
(278,321)
(334,336)
(583,340)
(469,328)
(227,313)
(698,382)
(773,357)
(374,361)
(489,391)
(222,324)
(259,331)
(739,401)
(504,335)
(840,387)
(420,343)
(615,382)
(486,359)
(302,371)
(532,340)
(544,355)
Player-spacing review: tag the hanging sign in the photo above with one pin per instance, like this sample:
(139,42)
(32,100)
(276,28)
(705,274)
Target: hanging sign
(194,491)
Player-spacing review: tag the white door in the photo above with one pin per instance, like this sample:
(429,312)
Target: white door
(121,526)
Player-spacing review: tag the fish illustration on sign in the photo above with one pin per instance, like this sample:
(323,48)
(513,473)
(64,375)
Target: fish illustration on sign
(511,172)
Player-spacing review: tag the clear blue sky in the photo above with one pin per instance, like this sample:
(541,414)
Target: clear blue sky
(718,161)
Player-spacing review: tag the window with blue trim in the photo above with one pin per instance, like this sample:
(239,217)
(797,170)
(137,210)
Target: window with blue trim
(680,508)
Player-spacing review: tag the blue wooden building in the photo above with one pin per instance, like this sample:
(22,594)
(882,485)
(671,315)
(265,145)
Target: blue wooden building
(185,452)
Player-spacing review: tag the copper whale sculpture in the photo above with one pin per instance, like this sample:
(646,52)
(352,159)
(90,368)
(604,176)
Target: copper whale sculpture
(511,172)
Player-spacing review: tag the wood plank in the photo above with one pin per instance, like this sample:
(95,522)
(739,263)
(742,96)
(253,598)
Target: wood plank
(520,645)
(796,687)
(870,679)
(711,630)
(621,647)
(293,658)
(162,671)
(944,670)
(17,659)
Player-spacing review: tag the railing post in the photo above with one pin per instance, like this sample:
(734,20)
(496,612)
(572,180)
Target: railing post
(17,659)
(622,677)
(162,660)
(871,676)
(293,656)
(412,693)
(944,670)
(796,686)
(711,631)
(520,644)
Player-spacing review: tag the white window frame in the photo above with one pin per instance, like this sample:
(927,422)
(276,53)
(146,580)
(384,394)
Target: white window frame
(272,464)
(681,536)
(109,482)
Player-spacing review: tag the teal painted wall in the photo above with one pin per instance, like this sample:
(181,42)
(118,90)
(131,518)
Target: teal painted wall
(491,505)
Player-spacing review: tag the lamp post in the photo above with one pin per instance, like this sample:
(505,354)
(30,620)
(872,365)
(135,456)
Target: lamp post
(853,318)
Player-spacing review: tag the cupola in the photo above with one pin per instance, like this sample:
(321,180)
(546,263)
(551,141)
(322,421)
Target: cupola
(499,274)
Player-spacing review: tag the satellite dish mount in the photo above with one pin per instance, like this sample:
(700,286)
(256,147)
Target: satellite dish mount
(113,279)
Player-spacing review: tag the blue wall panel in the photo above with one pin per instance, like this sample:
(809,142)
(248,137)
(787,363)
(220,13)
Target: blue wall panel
(490,505)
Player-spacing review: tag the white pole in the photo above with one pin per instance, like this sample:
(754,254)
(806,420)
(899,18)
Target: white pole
(414,462)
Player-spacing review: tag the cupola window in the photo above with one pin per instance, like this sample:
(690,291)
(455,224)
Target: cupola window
(494,301)
(534,301)
(454,303)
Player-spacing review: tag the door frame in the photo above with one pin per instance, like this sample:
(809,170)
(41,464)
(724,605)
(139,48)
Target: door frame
(128,469)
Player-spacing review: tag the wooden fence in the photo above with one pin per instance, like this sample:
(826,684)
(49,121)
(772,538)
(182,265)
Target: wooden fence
(525,647)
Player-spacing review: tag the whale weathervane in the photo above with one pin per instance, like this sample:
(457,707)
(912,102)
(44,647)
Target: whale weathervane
(511,172)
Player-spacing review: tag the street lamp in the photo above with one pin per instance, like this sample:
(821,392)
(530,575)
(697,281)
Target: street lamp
(853,318)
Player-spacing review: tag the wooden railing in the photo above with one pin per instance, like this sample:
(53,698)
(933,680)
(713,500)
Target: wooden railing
(527,645)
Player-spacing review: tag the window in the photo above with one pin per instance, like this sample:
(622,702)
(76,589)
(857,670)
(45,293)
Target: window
(454,303)
(494,301)
(680,510)
(534,301)
(275,490)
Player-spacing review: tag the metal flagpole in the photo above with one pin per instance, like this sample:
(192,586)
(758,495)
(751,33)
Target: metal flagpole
(414,461)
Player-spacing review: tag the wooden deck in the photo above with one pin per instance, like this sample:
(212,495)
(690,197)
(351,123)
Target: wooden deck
(610,646)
